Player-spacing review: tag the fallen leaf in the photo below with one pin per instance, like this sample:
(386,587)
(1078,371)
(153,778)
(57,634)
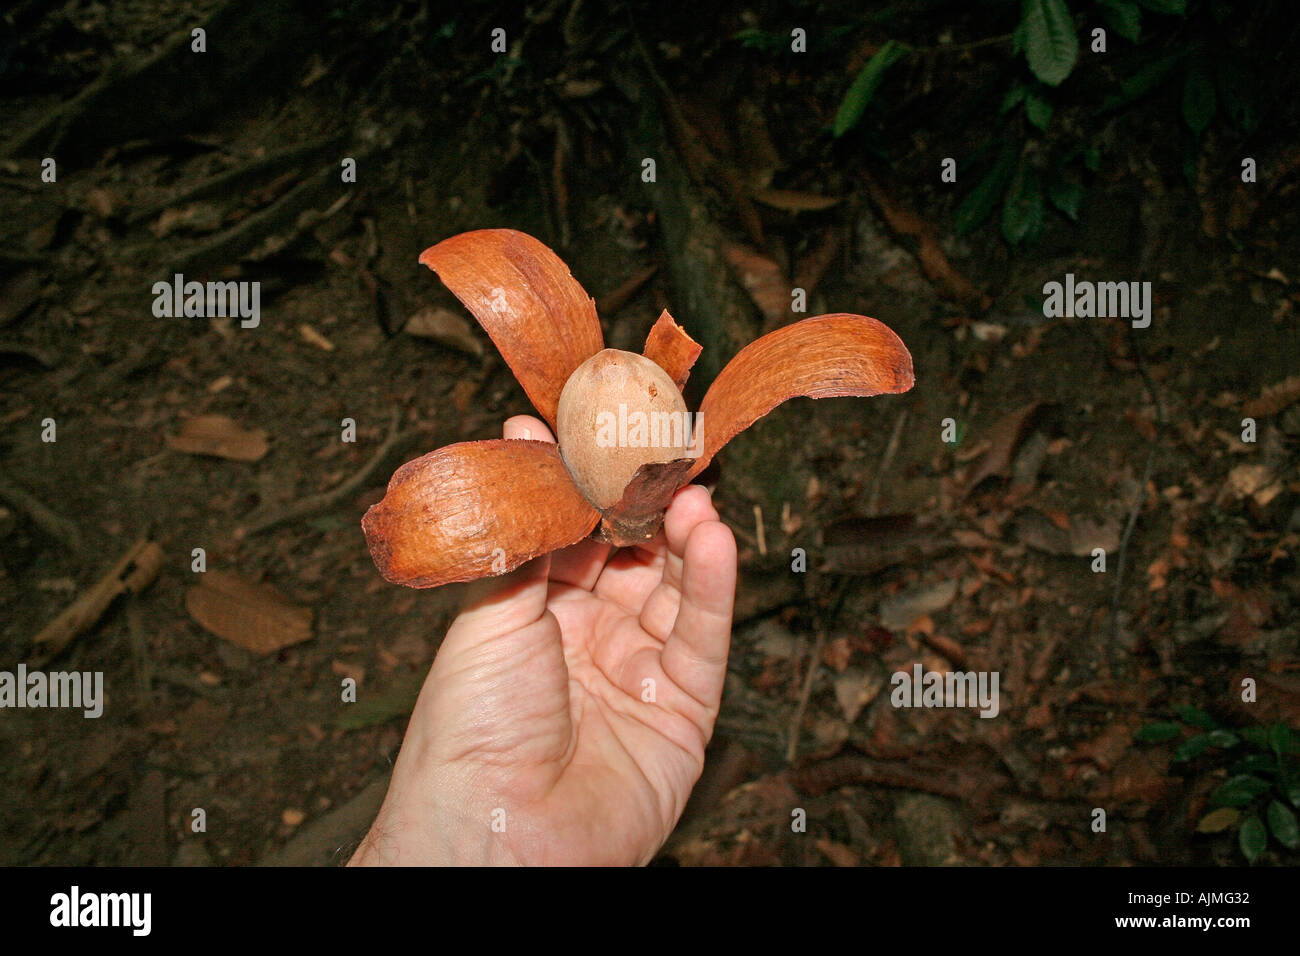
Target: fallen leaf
(1004,438)
(1104,750)
(1253,481)
(762,279)
(615,299)
(1274,398)
(837,653)
(855,690)
(292,817)
(793,200)
(220,437)
(445,328)
(814,263)
(899,611)
(199,218)
(246,613)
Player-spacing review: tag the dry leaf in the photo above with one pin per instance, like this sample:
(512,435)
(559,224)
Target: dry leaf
(810,269)
(899,611)
(1254,481)
(837,653)
(1004,439)
(615,299)
(246,613)
(762,279)
(1274,398)
(220,437)
(445,328)
(199,217)
(855,690)
(793,200)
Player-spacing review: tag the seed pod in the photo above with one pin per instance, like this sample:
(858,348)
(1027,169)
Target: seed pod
(617,412)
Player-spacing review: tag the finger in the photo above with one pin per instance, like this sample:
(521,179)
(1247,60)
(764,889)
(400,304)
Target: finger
(579,565)
(509,602)
(695,655)
(528,428)
(690,507)
(517,599)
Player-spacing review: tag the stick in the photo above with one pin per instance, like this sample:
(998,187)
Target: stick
(1121,559)
(891,449)
(133,572)
(61,529)
(326,500)
(792,746)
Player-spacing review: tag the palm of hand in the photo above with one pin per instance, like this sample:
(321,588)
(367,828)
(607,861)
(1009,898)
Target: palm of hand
(566,715)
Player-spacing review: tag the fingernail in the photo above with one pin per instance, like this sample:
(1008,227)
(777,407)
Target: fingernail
(528,434)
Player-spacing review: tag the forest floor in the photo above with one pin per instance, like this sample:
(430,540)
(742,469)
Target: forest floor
(971,554)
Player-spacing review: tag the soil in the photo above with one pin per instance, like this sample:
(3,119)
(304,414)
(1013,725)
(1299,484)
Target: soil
(1066,434)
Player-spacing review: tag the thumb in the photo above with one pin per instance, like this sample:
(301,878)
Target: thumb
(502,604)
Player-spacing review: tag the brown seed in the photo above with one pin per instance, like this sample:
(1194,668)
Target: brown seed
(617,412)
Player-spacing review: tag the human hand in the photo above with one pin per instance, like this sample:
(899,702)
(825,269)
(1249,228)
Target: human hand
(565,717)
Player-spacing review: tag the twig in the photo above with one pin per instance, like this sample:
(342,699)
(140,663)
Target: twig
(61,529)
(891,449)
(327,499)
(758,525)
(792,746)
(1122,557)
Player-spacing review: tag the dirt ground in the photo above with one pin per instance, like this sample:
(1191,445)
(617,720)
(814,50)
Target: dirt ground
(975,553)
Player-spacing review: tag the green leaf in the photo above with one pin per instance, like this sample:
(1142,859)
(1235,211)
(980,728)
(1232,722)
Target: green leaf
(983,199)
(1196,717)
(1158,732)
(1092,159)
(1216,821)
(1051,45)
(1038,110)
(1223,738)
(1022,207)
(1014,96)
(1239,790)
(1288,780)
(1172,7)
(1279,739)
(1067,197)
(1256,763)
(864,87)
(1142,82)
(1124,17)
(1252,838)
(1283,824)
(1199,102)
(1192,747)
